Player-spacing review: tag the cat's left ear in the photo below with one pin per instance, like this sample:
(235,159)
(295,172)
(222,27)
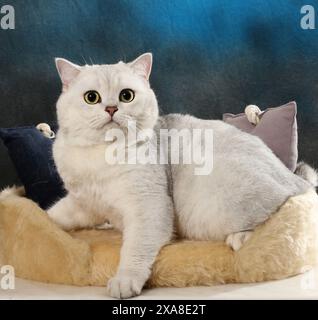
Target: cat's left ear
(67,70)
(142,65)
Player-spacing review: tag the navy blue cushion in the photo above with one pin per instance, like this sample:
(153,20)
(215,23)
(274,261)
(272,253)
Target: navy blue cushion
(31,154)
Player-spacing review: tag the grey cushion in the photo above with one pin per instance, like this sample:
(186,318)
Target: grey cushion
(277,128)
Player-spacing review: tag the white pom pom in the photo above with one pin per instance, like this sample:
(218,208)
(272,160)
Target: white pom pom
(252,113)
(46,130)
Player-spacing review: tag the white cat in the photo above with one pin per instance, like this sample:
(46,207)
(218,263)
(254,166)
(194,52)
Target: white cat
(134,199)
(248,183)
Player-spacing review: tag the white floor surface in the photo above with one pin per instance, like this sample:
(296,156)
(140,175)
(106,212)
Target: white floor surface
(300,287)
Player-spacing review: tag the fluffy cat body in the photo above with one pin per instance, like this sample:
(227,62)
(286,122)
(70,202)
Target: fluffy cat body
(247,183)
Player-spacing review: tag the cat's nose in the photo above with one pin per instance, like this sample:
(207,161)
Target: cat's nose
(111,110)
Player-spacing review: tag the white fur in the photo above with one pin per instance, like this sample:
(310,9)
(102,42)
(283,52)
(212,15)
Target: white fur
(133,198)
(248,183)
(307,172)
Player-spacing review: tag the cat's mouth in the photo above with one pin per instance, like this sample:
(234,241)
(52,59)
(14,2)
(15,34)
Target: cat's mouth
(113,123)
(118,121)
(102,123)
(112,120)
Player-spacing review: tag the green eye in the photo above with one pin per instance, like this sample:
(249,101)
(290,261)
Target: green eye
(92,97)
(127,95)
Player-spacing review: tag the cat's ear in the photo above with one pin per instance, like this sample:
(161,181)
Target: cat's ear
(142,65)
(67,70)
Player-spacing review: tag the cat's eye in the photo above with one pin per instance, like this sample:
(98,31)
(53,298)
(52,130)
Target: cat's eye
(127,95)
(92,97)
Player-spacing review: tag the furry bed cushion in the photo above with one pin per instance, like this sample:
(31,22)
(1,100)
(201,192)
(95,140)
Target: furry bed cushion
(285,245)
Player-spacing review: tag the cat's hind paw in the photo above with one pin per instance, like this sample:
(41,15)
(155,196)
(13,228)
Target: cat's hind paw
(236,240)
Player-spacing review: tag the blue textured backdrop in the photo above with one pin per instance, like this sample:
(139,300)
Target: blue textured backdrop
(210,57)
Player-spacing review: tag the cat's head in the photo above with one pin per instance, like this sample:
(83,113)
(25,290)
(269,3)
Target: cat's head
(97,98)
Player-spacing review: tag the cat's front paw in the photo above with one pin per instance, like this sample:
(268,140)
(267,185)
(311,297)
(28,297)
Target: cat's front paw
(124,286)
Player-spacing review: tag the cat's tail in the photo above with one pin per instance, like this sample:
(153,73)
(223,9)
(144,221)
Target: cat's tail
(307,172)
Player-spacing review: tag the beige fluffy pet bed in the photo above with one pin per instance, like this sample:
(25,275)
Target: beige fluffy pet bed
(284,246)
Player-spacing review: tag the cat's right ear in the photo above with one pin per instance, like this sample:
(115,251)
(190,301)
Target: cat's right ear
(67,70)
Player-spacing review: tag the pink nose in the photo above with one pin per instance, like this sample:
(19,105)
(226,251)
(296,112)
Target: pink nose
(111,110)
